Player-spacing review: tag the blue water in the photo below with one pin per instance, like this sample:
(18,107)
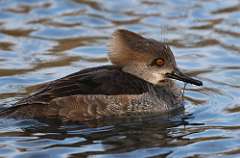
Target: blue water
(44,40)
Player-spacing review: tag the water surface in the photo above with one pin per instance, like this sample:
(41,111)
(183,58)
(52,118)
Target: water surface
(44,40)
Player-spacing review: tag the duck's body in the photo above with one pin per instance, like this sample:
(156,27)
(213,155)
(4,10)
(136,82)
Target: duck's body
(95,93)
(138,83)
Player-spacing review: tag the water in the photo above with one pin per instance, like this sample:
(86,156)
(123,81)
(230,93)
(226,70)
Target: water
(44,40)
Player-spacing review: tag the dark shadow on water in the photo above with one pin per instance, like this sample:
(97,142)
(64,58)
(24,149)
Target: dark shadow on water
(115,135)
(109,136)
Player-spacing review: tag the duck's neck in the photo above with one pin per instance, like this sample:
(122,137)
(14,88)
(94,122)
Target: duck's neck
(139,70)
(161,94)
(167,94)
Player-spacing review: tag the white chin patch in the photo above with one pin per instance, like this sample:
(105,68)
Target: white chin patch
(156,78)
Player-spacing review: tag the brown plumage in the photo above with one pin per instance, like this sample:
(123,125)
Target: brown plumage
(134,85)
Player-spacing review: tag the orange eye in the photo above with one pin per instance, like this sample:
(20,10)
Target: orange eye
(159,62)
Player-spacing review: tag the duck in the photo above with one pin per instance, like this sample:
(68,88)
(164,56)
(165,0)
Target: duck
(140,81)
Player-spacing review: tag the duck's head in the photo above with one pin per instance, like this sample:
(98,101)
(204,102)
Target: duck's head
(148,59)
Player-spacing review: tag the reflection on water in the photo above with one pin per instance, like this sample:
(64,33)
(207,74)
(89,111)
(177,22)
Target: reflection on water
(44,40)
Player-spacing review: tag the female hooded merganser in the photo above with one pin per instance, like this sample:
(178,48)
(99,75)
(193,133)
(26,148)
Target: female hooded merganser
(138,82)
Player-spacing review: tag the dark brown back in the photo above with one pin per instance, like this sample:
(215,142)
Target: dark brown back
(107,80)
